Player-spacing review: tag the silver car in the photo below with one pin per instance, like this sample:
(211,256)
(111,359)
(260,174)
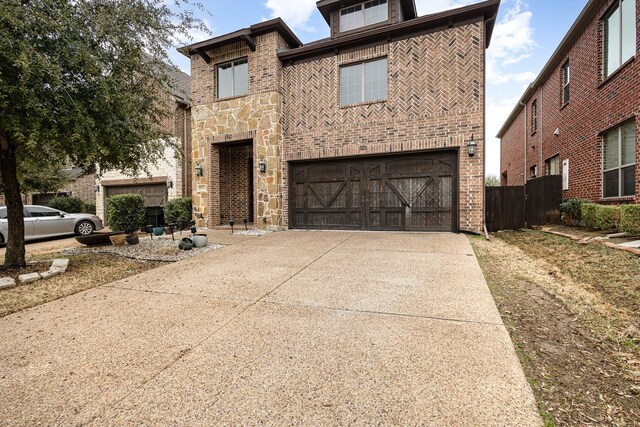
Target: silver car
(41,222)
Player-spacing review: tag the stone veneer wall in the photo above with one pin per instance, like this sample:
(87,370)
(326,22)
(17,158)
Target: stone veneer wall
(435,101)
(256,117)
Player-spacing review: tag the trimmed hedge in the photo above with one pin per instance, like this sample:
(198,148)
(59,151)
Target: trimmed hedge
(588,213)
(607,217)
(90,208)
(571,210)
(67,204)
(178,210)
(630,219)
(126,212)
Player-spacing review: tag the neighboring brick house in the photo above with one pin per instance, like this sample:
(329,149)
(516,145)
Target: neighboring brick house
(371,128)
(579,118)
(166,179)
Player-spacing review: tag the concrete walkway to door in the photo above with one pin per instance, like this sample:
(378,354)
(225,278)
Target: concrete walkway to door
(292,328)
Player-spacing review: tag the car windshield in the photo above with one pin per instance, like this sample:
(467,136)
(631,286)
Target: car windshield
(3,213)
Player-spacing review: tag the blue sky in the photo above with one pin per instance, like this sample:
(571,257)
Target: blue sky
(526,34)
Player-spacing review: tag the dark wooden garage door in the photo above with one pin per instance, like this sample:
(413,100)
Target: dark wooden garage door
(408,192)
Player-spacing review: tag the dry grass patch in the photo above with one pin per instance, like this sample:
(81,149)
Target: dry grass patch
(84,272)
(572,324)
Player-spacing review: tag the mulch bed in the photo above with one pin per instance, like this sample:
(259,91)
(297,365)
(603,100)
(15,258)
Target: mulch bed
(157,249)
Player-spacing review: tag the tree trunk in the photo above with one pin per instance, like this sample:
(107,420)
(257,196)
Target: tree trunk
(14,255)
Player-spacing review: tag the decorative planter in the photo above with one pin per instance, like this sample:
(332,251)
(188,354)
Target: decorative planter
(200,240)
(118,239)
(186,244)
(132,239)
(158,231)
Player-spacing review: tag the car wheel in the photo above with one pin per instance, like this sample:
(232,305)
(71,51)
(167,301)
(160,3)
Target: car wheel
(1,239)
(84,228)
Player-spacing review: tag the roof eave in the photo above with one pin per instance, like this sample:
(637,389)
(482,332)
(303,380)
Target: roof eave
(486,10)
(583,20)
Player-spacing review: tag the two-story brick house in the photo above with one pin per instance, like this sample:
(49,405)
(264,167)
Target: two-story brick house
(380,126)
(170,177)
(579,118)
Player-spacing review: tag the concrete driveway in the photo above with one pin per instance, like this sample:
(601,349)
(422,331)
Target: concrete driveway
(293,328)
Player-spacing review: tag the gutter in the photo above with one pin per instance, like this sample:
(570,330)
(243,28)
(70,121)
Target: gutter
(574,33)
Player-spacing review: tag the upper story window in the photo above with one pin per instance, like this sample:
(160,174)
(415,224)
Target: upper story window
(619,35)
(363,14)
(566,80)
(364,82)
(619,169)
(233,78)
(534,116)
(552,165)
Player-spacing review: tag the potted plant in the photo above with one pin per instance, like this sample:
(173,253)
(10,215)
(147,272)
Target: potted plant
(132,239)
(186,244)
(200,240)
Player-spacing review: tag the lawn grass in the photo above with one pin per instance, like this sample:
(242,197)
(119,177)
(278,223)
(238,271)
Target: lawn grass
(84,272)
(570,311)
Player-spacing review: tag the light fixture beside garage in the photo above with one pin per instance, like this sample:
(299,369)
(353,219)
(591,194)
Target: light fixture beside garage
(262,165)
(169,183)
(472,145)
(199,170)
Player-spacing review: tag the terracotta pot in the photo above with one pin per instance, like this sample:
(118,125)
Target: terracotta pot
(118,239)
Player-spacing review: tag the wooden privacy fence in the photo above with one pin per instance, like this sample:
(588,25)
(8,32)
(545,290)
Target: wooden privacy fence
(536,203)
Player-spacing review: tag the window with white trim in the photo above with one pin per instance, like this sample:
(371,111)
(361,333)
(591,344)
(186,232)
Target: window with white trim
(363,14)
(534,116)
(364,82)
(566,80)
(552,166)
(619,35)
(619,166)
(233,78)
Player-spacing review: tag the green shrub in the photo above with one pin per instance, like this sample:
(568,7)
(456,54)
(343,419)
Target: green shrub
(571,210)
(607,217)
(630,219)
(177,210)
(588,213)
(126,212)
(89,208)
(67,204)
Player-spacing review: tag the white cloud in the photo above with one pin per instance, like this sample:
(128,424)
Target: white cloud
(511,43)
(426,7)
(295,13)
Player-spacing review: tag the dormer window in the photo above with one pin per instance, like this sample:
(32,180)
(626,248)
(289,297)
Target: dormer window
(363,14)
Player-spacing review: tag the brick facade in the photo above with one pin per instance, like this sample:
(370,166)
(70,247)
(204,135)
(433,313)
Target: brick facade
(435,101)
(574,131)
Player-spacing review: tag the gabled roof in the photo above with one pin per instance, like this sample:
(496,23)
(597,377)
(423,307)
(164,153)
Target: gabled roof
(246,35)
(486,10)
(326,6)
(586,16)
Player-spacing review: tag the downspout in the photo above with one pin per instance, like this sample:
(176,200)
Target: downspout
(541,126)
(524,171)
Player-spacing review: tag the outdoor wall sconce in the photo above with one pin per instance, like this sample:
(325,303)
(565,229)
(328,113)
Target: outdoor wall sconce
(199,170)
(169,183)
(96,188)
(472,146)
(262,166)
